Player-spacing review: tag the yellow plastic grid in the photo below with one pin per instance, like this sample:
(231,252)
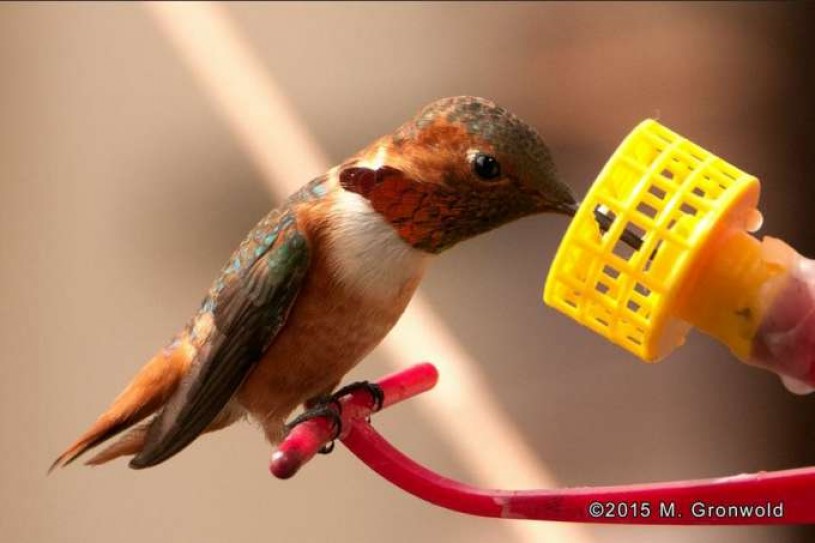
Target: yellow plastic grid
(670,193)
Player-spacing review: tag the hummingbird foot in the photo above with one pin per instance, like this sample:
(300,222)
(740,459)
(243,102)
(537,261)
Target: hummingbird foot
(373,389)
(330,407)
(323,407)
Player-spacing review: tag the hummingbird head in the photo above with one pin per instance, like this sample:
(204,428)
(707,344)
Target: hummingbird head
(461,167)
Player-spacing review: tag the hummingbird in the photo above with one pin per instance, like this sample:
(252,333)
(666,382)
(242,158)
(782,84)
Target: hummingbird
(321,280)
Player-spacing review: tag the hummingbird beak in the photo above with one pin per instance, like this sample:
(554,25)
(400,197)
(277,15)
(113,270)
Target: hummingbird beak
(554,195)
(567,208)
(563,207)
(557,197)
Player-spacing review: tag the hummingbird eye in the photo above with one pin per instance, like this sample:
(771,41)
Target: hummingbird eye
(486,166)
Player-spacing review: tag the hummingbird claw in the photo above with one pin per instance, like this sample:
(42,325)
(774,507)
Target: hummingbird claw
(377,396)
(329,409)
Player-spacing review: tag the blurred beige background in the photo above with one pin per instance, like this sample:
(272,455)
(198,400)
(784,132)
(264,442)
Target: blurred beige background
(122,191)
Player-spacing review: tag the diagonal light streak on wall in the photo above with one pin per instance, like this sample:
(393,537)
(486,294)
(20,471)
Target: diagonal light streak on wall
(282,148)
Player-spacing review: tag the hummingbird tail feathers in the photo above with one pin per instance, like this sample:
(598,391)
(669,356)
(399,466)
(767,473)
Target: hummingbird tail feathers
(145,394)
(127,445)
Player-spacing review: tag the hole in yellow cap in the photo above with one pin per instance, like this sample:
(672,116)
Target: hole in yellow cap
(656,191)
(688,209)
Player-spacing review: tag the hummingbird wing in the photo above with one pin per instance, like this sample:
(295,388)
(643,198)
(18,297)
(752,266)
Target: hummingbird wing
(244,311)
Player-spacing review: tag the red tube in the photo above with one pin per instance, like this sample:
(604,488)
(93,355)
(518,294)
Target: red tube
(782,497)
(791,494)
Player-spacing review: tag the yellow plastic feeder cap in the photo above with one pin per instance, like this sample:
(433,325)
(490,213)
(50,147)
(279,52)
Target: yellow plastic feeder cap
(659,245)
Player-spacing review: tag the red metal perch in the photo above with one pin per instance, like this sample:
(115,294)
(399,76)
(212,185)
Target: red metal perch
(781,497)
